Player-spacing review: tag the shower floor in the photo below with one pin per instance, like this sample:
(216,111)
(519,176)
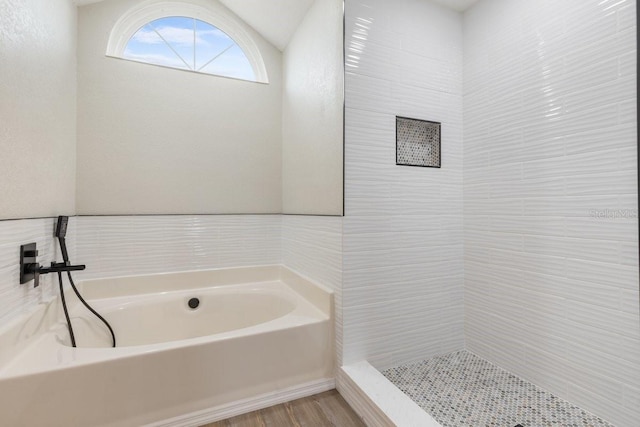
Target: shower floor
(461,389)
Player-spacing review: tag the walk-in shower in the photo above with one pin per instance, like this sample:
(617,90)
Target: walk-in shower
(502,287)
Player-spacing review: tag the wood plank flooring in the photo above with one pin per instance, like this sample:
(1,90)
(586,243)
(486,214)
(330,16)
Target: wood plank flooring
(326,409)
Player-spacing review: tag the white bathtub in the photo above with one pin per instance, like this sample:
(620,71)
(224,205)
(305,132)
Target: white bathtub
(259,336)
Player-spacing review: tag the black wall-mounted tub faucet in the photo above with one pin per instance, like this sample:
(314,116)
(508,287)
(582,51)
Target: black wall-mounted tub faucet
(30,269)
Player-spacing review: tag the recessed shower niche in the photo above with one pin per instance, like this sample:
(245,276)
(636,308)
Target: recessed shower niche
(417,142)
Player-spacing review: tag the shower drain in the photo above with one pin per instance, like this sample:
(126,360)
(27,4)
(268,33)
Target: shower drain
(194,303)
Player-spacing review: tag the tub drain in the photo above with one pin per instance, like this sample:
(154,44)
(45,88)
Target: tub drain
(194,303)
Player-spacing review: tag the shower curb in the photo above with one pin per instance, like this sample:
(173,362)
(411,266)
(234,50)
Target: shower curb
(377,401)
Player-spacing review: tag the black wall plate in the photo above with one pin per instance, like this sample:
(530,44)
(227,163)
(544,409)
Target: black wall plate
(28,255)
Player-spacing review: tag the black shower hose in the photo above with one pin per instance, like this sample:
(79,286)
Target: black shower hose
(64,302)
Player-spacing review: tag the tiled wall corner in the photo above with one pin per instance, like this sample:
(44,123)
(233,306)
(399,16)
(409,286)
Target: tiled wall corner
(403,255)
(131,245)
(551,275)
(17,299)
(312,246)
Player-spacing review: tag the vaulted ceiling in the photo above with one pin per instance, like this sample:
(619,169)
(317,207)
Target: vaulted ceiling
(277,20)
(459,5)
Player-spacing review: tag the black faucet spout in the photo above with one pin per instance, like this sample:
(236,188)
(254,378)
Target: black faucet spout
(59,267)
(37,270)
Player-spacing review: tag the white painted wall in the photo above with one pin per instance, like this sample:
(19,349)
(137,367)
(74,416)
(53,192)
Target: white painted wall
(312,121)
(551,291)
(159,140)
(403,255)
(37,139)
(37,108)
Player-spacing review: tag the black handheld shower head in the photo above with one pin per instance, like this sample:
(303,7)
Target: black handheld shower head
(61,227)
(61,232)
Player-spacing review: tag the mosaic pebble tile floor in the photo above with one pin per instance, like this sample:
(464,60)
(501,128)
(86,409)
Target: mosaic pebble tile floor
(461,389)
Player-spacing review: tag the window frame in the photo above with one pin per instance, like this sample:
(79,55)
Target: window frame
(138,16)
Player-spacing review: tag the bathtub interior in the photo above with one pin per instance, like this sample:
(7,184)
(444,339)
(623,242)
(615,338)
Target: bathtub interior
(151,313)
(156,318)
(276,344)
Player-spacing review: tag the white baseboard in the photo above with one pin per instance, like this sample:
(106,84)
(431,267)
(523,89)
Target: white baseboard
(222,412)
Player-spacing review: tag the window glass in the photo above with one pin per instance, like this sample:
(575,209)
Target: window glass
(189,44)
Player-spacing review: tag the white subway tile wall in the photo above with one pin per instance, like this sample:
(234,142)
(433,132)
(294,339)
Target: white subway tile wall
(17,299)
(403,243)
(312,246)
(550,213)
(131,245)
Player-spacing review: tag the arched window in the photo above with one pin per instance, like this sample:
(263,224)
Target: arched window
(187,36)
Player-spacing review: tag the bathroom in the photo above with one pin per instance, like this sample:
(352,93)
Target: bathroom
(358,212)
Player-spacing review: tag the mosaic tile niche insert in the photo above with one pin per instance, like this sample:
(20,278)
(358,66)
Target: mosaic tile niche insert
(417,142)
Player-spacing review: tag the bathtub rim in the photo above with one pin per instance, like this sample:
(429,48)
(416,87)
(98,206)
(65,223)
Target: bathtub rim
(35,328)
(110,287)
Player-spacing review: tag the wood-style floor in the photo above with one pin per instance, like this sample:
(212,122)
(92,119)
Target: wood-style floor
(327,409)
